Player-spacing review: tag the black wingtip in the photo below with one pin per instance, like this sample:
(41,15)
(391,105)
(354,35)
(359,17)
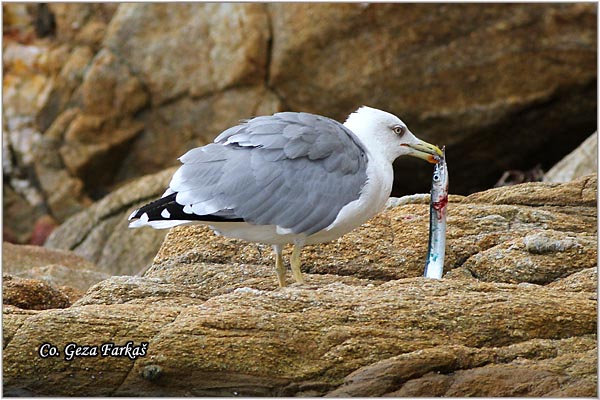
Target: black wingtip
(167,209)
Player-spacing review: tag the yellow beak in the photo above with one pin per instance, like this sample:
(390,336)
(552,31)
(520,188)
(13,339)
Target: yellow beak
(426,151)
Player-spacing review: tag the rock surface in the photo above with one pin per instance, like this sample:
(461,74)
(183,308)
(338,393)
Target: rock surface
(19,258)
(61,270)
(100,233)
(95,94)
(364,324)
(549,229)
(31,294)
(459,74)
(581,161)
(539,367)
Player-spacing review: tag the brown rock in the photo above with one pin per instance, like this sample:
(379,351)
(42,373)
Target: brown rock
(31,294)
(540,257)
(458,74)
(109,88)
(82,22)
(230,47)
(102,375)
(559,370)
(100,233)
(523,369)
(34,97)
(69,64)
(16,259)
(252,341)
(65,194)
(585,280)
(95,160)
(16,316)
(580,192)
(196,121)
(72,281)
(60,269)
(97,137)
(18,217)
(545,242)
(235,332)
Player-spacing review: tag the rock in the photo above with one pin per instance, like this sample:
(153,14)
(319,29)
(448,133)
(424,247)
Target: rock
(96,139)
(26,86)
(582,281)
(105,96)
(31,294)
(220,81)
(197,121)
(580,192)
(61,269)
(19,216)
(100,233)
(487,235)
(42,229)
(82,23)
(107,370)
(16,259)
(420,61)
(17,316)
(65,194)
(18,23)
(216,323)
(518,369)
(109,88)
(32,96)
(581,161)
(232,51)
(255,342)
(541,257)
(69,65)
(66,277)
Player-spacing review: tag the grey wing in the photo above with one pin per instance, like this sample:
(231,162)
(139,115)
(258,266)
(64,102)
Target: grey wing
(294,170)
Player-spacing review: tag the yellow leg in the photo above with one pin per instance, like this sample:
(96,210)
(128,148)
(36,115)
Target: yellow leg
(279,266)
(295,261)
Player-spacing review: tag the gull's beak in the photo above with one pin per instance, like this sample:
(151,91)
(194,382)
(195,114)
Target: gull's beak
(424,150)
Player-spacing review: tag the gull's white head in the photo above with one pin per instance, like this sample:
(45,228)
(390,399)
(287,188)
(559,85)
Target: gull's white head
(385,133)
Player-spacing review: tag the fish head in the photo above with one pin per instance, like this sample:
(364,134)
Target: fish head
(439,181)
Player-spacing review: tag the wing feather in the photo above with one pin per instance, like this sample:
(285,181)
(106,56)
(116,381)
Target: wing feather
(294,170)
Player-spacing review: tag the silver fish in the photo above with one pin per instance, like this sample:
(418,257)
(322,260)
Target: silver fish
(436,250)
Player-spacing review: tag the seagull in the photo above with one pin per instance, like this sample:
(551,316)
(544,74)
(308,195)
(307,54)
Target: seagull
(288,178)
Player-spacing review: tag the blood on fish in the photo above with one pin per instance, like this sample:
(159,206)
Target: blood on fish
(439,206)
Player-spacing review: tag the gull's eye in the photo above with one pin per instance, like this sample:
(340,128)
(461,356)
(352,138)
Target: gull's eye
(399,130)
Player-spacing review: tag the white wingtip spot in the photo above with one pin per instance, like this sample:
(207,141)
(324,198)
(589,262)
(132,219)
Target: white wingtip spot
(188,209)
(165,213)
(167,192)
(136,224)
(167,224)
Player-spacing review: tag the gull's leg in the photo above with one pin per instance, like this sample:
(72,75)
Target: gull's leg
(295,261)
(279,267)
